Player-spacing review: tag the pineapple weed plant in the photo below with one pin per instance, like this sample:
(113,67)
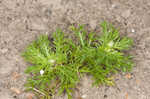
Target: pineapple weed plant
(58,64)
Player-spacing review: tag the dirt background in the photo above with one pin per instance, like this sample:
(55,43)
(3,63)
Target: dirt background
(21,21)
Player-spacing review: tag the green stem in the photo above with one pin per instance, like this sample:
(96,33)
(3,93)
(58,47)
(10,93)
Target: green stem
(81,39)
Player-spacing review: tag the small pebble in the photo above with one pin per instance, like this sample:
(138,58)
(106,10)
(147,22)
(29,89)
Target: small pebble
(132,30)
(4,51)
(113,5)
(84,96)
(93,24)
(15,96)
(15,75)
(126,13)
(17,91)
(105,96)
(30,96)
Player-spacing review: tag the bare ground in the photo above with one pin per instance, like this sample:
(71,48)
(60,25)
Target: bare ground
(21,21)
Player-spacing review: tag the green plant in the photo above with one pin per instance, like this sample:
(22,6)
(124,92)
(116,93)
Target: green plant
(59,63)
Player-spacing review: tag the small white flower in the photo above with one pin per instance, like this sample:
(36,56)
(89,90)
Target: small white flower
(41,71)
(111,43)
(51,60)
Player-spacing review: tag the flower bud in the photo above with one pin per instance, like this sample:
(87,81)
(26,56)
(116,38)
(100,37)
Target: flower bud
(41,71)
(51,61)
(110,44)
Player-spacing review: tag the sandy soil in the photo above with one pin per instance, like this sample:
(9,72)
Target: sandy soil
(21,21)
